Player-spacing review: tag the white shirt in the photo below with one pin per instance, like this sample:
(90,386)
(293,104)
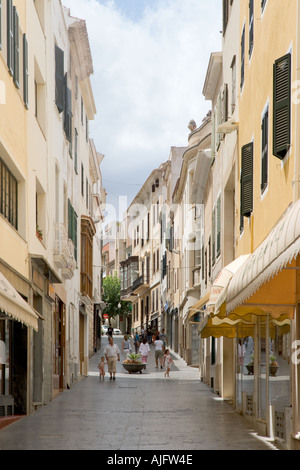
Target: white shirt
(112,351)
(144,349)
(158,345)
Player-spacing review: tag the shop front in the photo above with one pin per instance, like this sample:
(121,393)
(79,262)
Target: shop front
(18,321)
(262,301)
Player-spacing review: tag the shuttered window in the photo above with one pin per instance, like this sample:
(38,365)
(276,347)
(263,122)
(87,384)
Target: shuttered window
(10,37)
(72,226)
(8,195)
(68,111)
(264,150)
(243,58)
(219,226)
(251,26)
(214,236)
(16,71)
(59,79)
(25,70)
(247,180)
(282,106)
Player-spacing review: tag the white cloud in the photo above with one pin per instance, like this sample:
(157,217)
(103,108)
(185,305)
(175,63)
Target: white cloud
(148,80)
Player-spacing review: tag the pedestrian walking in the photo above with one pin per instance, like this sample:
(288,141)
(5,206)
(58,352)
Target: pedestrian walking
(136,342)
(144,351)
(110,331)
(168,361)
(126,346)
(112,353)
(164,339)
(149,335)
(158,351)
(101,367)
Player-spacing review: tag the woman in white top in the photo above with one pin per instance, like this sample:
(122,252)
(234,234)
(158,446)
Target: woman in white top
(144,351)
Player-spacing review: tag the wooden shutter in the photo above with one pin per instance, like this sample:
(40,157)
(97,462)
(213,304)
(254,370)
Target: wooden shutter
(25,70)
(264,150)
(247,180)
(16,48)
(282,106)
(59,79)
(10,37)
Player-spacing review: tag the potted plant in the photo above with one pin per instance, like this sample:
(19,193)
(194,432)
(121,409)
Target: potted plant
(250,365)
(39,233)
(133,363)
(273,365)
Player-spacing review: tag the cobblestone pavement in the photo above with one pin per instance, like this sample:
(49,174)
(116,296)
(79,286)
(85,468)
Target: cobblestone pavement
(136,412)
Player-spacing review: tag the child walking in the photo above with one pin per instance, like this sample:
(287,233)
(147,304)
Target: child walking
(101,367)
(168,361)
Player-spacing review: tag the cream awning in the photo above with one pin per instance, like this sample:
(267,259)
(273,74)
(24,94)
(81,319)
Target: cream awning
(198,306)
(13,305)
(219,288)
(279,249)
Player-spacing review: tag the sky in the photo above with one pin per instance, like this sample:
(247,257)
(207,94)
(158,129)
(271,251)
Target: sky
(150,59)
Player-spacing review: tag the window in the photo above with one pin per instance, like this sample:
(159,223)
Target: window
(233,85)
(251,26)
(282,106)
(225,15)
(154,258)
(76,152)
(243,58)
(247,180)
(59,79)
(218,234)
(214,236)
(264,150)
(72,226)
(16,48)
(68,111)
(86,274)
(10,37)
(8,195)
(25,70)
(82,179)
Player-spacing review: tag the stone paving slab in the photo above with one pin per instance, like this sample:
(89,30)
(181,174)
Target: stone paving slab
(136,412)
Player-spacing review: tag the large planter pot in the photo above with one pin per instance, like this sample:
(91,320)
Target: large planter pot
(134,368)
(273,370)
(250,369)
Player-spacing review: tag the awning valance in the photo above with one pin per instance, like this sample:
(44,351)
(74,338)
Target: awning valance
(279,249)
(13,305)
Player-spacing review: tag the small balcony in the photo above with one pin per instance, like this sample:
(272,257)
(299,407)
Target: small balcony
(63,253)
(140,284)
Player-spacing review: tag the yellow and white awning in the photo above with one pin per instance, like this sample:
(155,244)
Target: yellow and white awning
(13,305)
(274,260)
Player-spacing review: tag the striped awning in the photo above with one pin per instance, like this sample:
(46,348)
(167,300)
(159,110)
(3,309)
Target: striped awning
(276,253)
(13,305)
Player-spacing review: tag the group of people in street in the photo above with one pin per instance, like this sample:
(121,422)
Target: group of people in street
(142,343)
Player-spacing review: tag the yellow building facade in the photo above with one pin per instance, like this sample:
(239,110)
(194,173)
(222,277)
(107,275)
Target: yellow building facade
(263,295)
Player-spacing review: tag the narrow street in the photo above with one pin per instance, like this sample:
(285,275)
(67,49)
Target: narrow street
(136,412)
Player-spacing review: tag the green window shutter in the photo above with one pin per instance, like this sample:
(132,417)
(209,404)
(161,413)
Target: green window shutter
(243,58)
(264,150)
(247,180)
(68,111)
(25,70)
(16,48)
(59,79)
(10,37)
(282,106)
(251,26)
(69,220)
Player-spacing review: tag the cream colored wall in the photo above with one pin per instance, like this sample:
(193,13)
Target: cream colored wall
(13,141)
(270,43)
